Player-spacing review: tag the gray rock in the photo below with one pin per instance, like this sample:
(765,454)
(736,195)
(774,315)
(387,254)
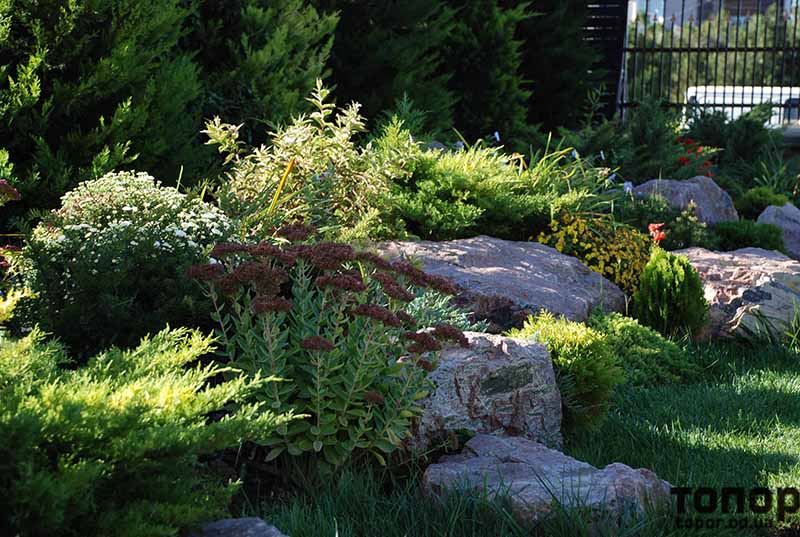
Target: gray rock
(435,145)
(498,385)
(788,219)
(238,527)
(750,290)
(506,281)
(712,204)
(535,478)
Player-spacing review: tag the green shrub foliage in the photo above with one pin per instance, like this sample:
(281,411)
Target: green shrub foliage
(259,59)
(87,90)
(647,357)
(89,86)
(556,27)
(330,321)
(112,448)
(483,54)
(384,50)
(107,267)
(482,190)
(332,183)
(587,370)
(746,233)
(753,202)
(670,298)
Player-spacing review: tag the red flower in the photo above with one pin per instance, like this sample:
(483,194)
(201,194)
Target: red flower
(699,150)
(683,161)
(656,233)
(688,141)
(707,164)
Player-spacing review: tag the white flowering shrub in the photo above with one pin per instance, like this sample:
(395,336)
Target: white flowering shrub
(107,267)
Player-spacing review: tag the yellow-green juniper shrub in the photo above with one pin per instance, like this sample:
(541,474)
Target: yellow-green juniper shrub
(113,447)
(587,369)
(647,357)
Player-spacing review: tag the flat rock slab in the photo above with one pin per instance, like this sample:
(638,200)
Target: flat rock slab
(535,479)
(498,385)
(506,281)
(238,527)
(750,290)
(788,219)
(712,204)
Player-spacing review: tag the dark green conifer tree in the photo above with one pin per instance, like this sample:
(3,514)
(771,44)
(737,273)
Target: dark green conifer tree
(385,49)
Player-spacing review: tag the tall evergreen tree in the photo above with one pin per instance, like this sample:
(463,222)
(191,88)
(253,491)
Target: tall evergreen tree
(87,86)
(559,66)
(484,56)
(384,49)
(260,59)
(81,79)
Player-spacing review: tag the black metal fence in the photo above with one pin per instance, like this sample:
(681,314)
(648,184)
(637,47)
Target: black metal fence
(725,55)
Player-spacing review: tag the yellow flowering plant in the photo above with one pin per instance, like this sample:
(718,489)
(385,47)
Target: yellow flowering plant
(617,251)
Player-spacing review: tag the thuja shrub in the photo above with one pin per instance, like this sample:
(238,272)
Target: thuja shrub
(331,322)
(670,297)
(587,371)
(617,251)
(108,266)
(114,447)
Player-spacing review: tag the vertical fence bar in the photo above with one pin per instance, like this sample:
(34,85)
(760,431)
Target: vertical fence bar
(698,48)
(725,64)
(794,46)
(755,58)
(708,53)
(688,52)
(661,54)
(736,56)
(682,53)
(671,53)
(718,48)
(764,57)
(645,57)
(774,50)
(634,71)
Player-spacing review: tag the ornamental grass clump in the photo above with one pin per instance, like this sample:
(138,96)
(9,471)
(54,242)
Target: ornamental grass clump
(114,447)
(331,322)
(108,266)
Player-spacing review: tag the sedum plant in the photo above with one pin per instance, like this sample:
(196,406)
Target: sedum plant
(107,267)
(331,322)
(617,251)
(113,447)
(670,297)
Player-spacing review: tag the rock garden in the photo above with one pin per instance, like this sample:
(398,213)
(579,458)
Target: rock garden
(229,311)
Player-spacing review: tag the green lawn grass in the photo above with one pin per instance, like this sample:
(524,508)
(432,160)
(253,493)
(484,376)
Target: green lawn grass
(738,426)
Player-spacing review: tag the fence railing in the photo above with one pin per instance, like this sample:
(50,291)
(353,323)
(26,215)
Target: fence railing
(725,55)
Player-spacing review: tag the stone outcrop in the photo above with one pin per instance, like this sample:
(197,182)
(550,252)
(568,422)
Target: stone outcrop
(749,291)
(712,204)
(788,219)
(498,385)
(506,281)
(238,527)
(535,478)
